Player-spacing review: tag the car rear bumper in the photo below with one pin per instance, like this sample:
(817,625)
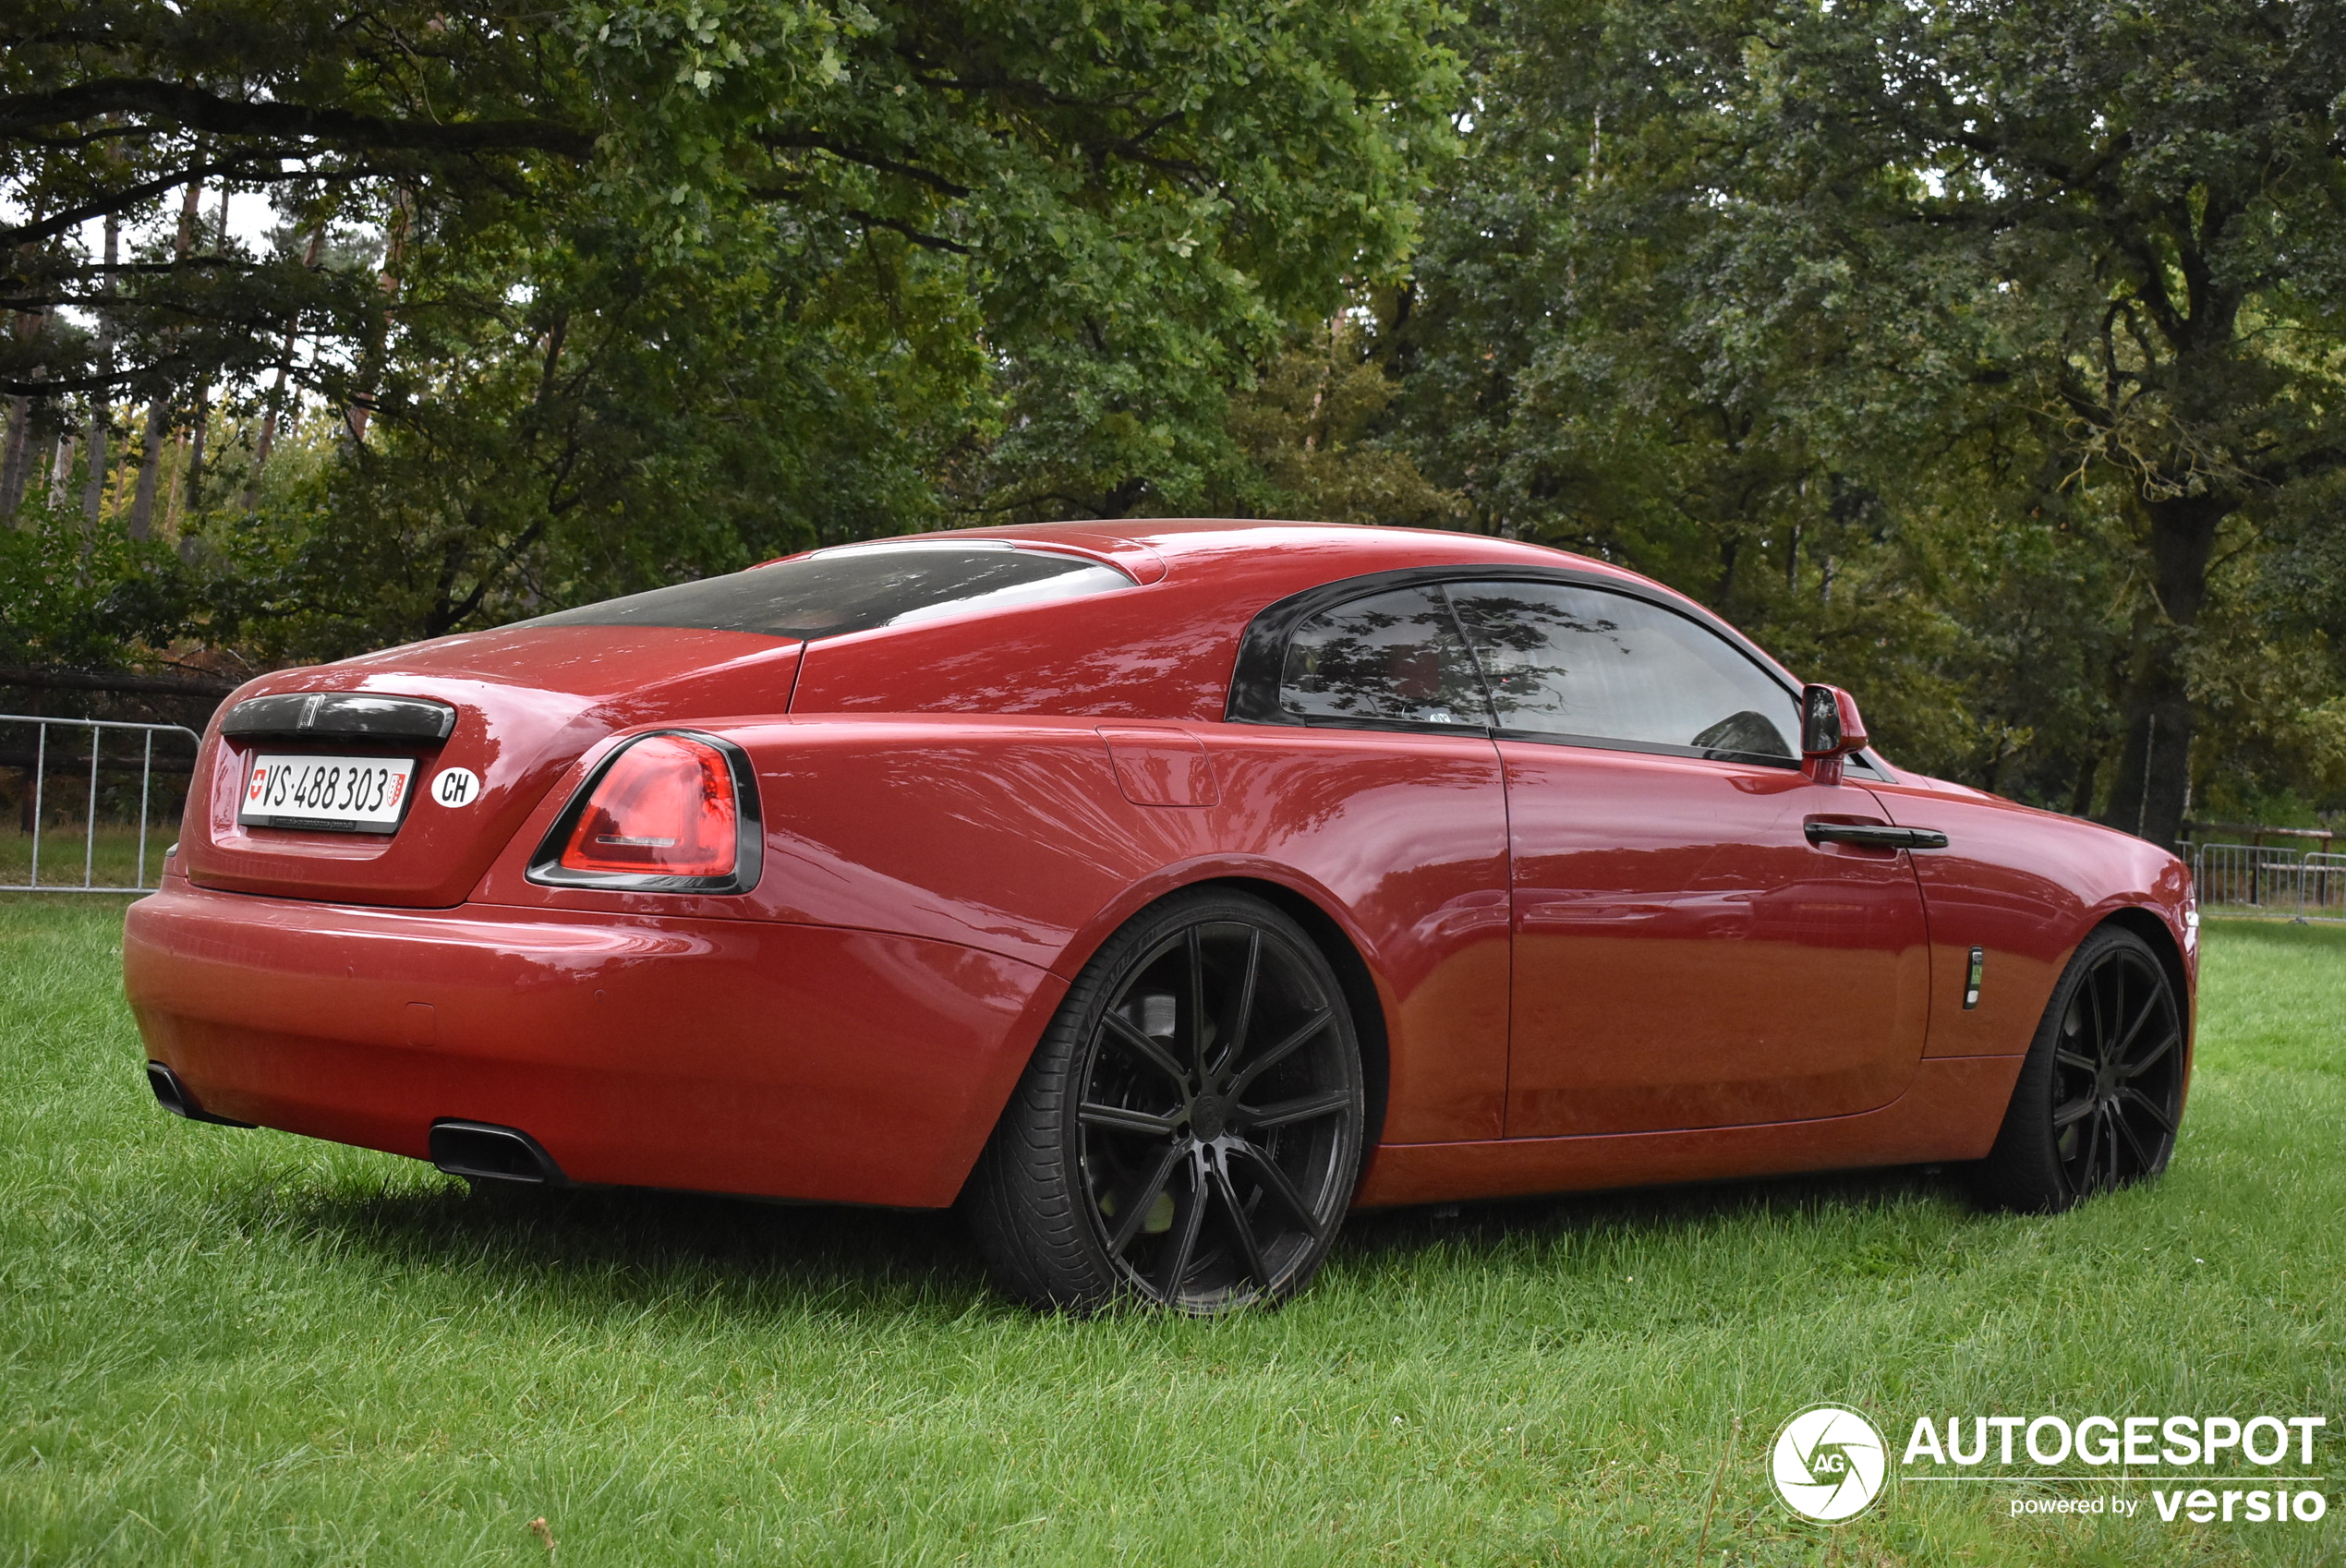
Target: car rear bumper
(793,1061)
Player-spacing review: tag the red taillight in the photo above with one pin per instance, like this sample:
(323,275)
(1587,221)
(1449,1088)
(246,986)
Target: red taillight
(665,808)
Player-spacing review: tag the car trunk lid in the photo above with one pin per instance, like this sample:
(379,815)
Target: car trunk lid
(514,708)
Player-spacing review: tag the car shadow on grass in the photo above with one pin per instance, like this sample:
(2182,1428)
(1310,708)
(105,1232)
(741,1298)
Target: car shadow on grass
(1835,1196)
(637,1246)
(640,1245)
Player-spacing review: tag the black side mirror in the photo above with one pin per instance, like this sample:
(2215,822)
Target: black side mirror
(1831,727)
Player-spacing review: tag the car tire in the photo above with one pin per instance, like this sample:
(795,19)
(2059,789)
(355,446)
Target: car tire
(1188,1133)
(2100,1093)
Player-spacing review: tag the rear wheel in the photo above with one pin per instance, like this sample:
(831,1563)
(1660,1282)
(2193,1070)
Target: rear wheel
(2101,1093)
(1189,1131)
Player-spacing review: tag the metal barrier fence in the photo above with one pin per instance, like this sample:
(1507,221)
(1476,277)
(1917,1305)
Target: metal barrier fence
(53,769)
(2270,880)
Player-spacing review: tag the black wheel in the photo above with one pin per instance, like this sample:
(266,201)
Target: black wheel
(2101,1091)
(1189,1131)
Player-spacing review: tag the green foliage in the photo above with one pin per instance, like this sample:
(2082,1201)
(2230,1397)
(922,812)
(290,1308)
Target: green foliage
(1308,430)
(1946,347)
(620,294)
(72,598)
(1984,358)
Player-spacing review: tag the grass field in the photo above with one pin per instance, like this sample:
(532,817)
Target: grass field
(222,1346)
(69,854)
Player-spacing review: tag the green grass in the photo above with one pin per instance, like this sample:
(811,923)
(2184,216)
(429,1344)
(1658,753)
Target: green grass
(109,858)
(242,1347)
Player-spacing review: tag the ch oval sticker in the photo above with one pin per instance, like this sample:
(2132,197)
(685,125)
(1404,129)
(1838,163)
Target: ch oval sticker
(456,787)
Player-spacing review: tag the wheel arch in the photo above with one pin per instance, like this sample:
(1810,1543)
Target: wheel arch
(1351,972)
(2155,932)
(1328,933)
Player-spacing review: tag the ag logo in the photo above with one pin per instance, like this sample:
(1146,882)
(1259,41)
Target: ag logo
(1827,1463)
(456,787)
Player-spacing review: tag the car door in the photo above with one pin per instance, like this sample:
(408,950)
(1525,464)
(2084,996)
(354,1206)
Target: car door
(1380,782)
(1684,954)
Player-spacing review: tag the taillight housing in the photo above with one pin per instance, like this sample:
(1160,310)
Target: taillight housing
(670,812)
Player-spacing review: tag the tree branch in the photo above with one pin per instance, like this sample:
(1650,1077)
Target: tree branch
(216,115)
(795,140)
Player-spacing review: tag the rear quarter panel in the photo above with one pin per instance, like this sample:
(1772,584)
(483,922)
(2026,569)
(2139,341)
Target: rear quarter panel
(1013,835)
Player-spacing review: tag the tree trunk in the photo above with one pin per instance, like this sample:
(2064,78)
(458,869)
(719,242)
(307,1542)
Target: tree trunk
(277,393)
(100,416)
(142,501)
(192,484)
(2081,800)
(143,506)
(93,488)
(16,461)
(2153,785)
(60,469)
(178,493)
(268,437)
(370,367)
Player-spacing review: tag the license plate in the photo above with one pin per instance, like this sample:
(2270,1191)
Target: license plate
(339,795)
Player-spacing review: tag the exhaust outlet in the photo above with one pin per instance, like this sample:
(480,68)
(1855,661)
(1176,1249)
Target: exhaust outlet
(483,1152)
(173,1096)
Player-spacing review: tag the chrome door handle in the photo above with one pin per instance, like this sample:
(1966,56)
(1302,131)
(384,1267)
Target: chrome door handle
(1875,834)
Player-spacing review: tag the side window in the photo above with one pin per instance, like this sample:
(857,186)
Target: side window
(1573,661)
(1393,656)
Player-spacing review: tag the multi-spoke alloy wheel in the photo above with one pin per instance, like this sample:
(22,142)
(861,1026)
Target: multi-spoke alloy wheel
(2101,1091)
(1190,1130)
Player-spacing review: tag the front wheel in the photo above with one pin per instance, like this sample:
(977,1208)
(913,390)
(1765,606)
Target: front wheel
(1190,1129)
(2101,1091)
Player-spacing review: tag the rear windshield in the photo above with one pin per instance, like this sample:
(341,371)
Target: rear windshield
(855,589)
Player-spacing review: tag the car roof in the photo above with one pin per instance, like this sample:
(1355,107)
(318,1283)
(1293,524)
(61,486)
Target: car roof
(1169,650)
(1319,551)
(1266,558)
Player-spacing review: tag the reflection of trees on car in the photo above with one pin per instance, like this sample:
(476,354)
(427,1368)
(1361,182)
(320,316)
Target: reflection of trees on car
(1569,660)
(1522,661)
(1394,655)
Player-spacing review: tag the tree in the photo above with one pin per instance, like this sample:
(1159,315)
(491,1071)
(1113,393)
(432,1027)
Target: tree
(2158,183)
(611,294)
(1796,275)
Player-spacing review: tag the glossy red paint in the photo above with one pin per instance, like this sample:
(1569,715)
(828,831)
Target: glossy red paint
(724,1055)
(2024,884)
(1578,966)
(1159,765)
(1014,836)
(1164,651)
(1950,1112)
(529,701)
(1686,958)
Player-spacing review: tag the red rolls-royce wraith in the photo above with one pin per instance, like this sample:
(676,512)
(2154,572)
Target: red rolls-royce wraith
(1157,891)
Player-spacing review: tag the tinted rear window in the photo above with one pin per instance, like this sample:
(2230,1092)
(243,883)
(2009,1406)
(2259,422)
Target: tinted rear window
(1390,657)
(858,588)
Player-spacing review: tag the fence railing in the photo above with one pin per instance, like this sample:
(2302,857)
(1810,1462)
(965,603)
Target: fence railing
(87,805)
(2269,879)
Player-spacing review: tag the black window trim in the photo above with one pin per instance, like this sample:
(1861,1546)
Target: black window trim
(1262,659)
